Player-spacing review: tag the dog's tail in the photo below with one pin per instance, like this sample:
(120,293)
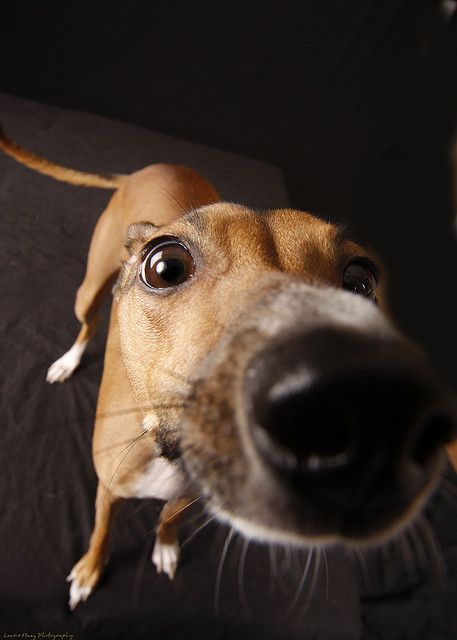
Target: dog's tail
(64,174)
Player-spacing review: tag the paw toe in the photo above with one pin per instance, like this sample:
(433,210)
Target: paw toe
(78,593)
(165,557)
(62,368)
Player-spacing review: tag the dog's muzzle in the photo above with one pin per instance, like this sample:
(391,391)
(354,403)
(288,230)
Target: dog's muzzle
(315,420)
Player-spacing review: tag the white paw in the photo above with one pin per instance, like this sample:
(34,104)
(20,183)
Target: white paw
(77,592)
(62,368)
(165,557)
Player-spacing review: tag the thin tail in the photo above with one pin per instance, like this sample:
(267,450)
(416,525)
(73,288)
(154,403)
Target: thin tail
(64,174)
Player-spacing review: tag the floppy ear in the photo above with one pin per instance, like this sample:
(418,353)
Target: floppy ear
(137,235)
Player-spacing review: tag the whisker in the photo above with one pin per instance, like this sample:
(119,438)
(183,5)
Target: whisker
(129,449)
(287,558)
(197,531)
(228,539)
(193,205)
(419,546)
(312,586)
(387,559)
(133,441)
(139,573)
(171,197)
(358,553)
(301,583)
(405,551)
(188,520)
(273,567)
(141,409)
(240,579)
(275,562)
(175,513)
(297,555)
(114,446)
(432,543)
(127,442)
(327,580)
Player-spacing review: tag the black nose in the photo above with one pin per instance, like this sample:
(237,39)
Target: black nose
(344,407)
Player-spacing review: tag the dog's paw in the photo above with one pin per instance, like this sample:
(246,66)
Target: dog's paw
(166,557)
(62,368)
(78,593)
(83,578)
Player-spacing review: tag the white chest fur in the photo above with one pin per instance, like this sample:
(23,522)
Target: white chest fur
(162,480)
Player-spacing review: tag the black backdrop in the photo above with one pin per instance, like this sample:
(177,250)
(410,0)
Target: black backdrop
(355,100)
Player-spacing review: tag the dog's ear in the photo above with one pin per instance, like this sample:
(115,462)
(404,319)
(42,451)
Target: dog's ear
(137,236)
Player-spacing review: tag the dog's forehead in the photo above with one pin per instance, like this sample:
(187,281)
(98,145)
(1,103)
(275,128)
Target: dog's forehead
(292,230)
(239,228)
(288,239)
(283,222)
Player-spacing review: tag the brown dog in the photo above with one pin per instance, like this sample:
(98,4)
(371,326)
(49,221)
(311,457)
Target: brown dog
(248,364)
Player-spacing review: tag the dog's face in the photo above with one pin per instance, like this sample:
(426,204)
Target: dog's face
(256,345)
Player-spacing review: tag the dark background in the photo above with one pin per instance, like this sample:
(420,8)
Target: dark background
(354,100)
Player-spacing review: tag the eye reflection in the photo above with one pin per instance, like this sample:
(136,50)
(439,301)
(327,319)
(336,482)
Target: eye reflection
(168,263)
(360,279)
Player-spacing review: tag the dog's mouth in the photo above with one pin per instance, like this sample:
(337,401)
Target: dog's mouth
(325,435)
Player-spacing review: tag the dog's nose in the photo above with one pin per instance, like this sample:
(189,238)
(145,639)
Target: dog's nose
(346,407)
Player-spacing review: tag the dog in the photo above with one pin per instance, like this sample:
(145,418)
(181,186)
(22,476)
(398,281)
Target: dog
(250,364)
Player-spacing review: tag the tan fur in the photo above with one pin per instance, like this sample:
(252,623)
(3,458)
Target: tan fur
(452,452)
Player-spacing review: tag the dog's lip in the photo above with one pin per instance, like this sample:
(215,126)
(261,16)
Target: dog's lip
(356,530)
(369,524)
(357,535)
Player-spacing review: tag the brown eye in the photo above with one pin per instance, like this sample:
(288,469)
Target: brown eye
(167,263)
(360,279)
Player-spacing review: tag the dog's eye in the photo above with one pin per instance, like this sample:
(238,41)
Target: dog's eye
(360,279)
(166,263)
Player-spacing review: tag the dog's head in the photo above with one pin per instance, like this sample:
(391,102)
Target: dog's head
(298,410)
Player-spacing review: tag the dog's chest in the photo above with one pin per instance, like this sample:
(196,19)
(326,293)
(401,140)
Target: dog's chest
(161,479)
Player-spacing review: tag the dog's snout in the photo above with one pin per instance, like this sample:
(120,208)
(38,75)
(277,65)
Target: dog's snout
(345,408)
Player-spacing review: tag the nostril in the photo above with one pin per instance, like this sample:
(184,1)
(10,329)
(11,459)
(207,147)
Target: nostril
(302,431)
(436,430)
(312,462)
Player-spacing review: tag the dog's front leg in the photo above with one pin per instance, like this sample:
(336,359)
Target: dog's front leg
(165,555)
(86,573)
